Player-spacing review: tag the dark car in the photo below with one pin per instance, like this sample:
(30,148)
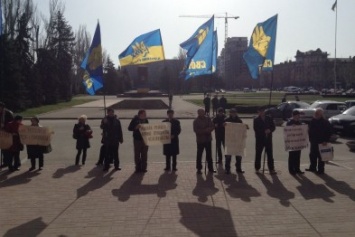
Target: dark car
(345,122)
(284,110)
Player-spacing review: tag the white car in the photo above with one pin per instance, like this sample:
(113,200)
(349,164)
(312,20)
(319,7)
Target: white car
(331,108)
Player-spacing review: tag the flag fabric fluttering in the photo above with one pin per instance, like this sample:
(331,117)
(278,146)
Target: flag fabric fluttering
(146,48)
(92,64)
(261,50)
(199,47)
(335,5)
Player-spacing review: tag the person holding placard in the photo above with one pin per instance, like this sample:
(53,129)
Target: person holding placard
(218,122)
(319,133)
(294,157)
(233,118)
(172,149)
(140,148)
(35,151)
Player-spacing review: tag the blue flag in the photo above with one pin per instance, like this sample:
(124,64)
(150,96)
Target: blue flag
(92,64)
(199,49)
(261,51)
(145,48)
(215,51)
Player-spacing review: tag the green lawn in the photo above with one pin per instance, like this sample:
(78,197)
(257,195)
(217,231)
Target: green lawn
(47,108)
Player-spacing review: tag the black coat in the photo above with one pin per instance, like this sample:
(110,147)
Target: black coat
(319,131)
(111,131)
(80,133)
(173,147)
(132,127)
(218,122)
(261,125)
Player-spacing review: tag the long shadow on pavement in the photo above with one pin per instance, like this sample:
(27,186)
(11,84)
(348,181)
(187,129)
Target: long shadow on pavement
(22,178)
(310,190)
(339,186)
(29,229)
(206,220)
(133,186)
(276,189)
(63,171)
(100,180)
(204,187)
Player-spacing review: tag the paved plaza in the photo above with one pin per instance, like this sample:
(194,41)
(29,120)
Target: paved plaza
(64,200)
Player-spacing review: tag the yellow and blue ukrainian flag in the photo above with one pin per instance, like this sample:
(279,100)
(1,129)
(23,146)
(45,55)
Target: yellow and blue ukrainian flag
(199,49)
(145,48)
(261,51)
(92,64)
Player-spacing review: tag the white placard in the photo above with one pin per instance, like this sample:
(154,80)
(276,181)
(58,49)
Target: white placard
(235,139)
(32,135)
(156,134)
(5,140)
(296,137)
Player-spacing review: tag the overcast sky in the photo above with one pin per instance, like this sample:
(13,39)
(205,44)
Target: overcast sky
(302,24)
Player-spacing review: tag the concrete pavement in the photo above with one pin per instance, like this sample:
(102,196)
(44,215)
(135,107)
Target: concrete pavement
(66,200)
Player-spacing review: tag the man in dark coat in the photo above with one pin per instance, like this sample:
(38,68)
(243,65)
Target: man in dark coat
(319,133)
(207,103)
(203,128)
(215,103)
(233,118)
(223,103)
(263,127)
(172,149)
(12,155)
(218,122)
(140,148)
(111,138)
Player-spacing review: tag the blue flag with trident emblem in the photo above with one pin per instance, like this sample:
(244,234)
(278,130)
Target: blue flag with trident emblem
(261,51)
(200,48)
(92,64)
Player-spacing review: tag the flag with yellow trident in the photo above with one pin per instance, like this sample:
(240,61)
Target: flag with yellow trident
(261,51)
(92,64)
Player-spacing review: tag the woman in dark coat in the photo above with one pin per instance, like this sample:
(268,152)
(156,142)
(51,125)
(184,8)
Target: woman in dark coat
(172,149)
(35,151)
(82,132)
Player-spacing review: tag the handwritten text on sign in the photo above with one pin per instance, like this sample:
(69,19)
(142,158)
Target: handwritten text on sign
(296,137)
(235,138)
(155,134)
(31,135)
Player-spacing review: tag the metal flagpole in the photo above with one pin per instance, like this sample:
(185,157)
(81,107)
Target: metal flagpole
(335,48)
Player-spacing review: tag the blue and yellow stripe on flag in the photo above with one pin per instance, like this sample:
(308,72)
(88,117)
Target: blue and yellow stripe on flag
(199,49)
(92,64)
(145,48)
(261,51)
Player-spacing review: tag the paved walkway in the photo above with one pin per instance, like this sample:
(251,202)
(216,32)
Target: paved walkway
(65,201)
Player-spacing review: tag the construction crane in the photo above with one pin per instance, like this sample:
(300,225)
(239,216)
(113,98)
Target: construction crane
(226,17)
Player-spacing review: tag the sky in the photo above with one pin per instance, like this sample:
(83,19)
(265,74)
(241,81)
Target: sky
(302,24)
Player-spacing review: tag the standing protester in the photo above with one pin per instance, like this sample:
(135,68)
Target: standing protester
(82,132)
(140,148)
(172,149)
(207,103)
(6,117)
(203,128)
(294,156)
(233,118)
(111,138)
(12,155)
(215,103)
(319,133)
(223,103)
(218,122)
(263,127)
(35,151)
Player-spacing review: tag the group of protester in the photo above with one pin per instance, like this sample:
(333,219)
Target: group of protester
(203,126)
(216,103)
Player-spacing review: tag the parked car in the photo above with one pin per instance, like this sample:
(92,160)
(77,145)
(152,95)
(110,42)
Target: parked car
(293,89)
(345,122)
(331,108)
(284,110)
(349,103)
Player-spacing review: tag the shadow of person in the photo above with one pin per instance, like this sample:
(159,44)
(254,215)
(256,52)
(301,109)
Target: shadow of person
(204,188)
(206,220)
(93,173)
(239,188)
(310,190)
(59,173)
(276,189)
(96,183)
(29,229)
(22,178)
(133,186)
(339,186)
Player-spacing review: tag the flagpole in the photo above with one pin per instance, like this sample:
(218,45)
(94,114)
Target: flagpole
(335,47)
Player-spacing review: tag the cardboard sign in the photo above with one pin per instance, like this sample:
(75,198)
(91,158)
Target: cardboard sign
(5,140)
(235,139)
(156,134)
(32,135)
(296,137)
